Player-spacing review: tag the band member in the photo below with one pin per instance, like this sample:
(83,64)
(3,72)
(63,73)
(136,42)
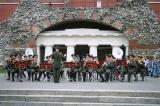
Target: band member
(57,64)
(83,68)
(79,68)
(72,71)
(18,69)
(32,69)
(107,69)
(9,65)
(25,60)
(28,62)
(141,67)
(132,66)
(88,66)
(124,69)
(43,69)
(49,68)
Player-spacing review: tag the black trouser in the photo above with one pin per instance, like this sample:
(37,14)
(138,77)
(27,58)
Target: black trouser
(19,74)
(95,74)
(84,76)
(90,75)
(34,75)
(72,74)
(101,76)
(31,74)
(111,74)
(61,73)
(130,72)
(41,71)
(108,76)
(9,73)
(56,75)
(79,75)
(8,69)
(123,73)
(143,74)
(49,73)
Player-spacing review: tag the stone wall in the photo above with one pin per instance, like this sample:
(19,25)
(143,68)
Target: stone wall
(134,18)
(145,52)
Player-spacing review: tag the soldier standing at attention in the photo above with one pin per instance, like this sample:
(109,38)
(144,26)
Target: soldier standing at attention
(57,64)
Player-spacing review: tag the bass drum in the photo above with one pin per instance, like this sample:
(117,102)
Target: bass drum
(28,52)
(117,53)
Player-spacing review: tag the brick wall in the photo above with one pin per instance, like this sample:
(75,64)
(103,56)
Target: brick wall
(6,11)
(156,8)
(133,44)
(82,3)
(109,3)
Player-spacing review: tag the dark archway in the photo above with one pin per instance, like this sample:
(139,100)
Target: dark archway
(72,24)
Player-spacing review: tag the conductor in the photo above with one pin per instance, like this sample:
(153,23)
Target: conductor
(57,63)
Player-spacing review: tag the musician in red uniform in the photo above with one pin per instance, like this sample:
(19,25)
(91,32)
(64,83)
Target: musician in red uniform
(95,68)
(91,64)
(107,69)
(28,61)
(49,70)
(16,69)
(25,62)
(9,65)
(32,68)
(42,68)
(72,71)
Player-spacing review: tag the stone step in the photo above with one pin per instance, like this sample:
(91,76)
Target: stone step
(133,93)
(82,99)
(22,103)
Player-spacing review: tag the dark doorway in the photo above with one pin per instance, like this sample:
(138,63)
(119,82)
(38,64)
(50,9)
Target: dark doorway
(42,52)
(104,50)
(62,48)
(81,50)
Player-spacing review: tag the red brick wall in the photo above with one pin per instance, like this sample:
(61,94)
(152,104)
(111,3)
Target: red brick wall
(53,1)
(92,3)
(156,8)
(82,3)
(108,3)
(6,11)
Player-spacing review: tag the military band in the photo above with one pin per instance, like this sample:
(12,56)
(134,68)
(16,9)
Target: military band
(87,68)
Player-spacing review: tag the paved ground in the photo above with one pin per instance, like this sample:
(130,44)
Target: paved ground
(150,84)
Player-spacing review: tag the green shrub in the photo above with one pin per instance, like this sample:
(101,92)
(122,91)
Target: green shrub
(2,70)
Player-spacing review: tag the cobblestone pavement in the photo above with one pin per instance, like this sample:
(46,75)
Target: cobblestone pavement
(150,84)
